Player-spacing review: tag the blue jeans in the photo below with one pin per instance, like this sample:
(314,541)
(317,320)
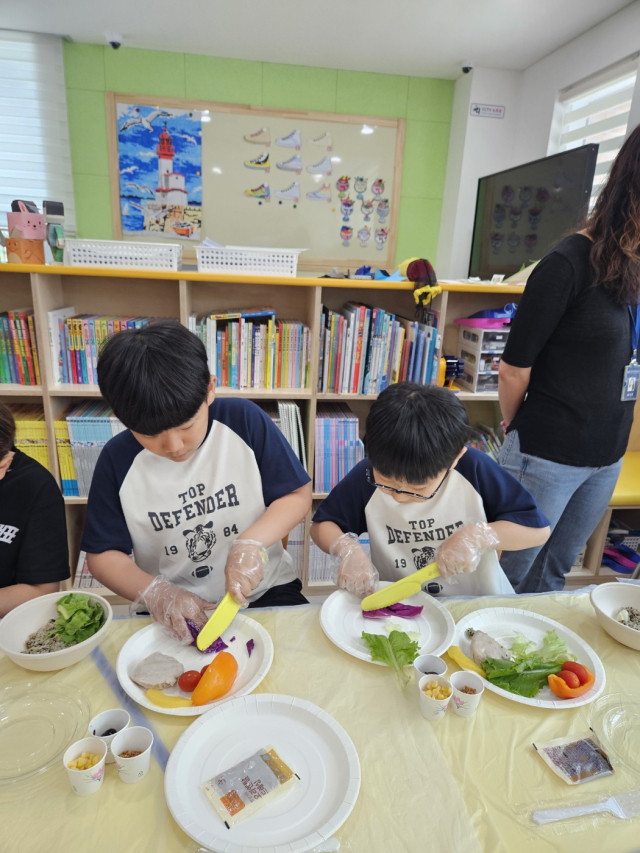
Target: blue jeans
(574,500)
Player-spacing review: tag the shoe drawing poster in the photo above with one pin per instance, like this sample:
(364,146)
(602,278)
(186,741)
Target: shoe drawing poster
(160,171)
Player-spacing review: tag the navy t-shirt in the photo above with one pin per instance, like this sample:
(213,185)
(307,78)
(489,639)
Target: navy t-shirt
(180,519)
(405,537)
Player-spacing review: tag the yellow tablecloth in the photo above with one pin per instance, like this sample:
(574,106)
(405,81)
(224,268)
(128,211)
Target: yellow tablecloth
(459,785)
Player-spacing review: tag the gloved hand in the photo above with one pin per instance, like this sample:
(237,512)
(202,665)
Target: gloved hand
(352,569)
(463,550)
(169,606)
(244,569)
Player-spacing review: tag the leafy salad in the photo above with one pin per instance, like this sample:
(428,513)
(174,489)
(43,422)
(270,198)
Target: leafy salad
(396,650)
(527,669)
(79,619)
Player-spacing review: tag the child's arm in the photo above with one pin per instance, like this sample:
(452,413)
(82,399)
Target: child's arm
(18,593)
(119,573)
(517,537)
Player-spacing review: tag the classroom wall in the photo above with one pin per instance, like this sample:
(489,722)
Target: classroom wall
(425,103)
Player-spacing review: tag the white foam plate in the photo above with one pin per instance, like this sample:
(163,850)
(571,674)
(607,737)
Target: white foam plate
(342,621)
(308,739)
(251,670)
(505,623)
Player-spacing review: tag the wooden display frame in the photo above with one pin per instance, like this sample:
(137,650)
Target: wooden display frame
(386,260)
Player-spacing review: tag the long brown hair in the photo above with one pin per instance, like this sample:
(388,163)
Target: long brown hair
(614,226)
(7,430)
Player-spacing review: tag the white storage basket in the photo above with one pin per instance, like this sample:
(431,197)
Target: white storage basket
(246,260)
(122,254)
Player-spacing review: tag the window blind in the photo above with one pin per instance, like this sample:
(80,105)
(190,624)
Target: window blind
(597,110)
(35,159)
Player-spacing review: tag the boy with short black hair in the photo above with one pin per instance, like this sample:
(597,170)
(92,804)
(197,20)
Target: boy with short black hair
(202,490)
(424,496)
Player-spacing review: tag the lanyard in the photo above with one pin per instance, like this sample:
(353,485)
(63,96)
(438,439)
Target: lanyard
(635,332)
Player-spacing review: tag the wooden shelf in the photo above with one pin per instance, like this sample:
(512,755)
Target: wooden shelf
(337,397)
(67,390)
(319,496)
(10,389)
(71,501)
(471,396)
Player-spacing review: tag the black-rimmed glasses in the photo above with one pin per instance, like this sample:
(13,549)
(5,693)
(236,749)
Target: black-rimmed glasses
(393,491)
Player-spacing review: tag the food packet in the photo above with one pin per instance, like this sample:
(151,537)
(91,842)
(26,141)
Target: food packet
(238,792)
(575,759)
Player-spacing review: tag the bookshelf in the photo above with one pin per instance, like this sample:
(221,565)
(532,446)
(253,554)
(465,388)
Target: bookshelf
(178,294)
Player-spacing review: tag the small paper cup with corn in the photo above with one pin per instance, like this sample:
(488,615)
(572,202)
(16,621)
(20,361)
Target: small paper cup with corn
(435,693)
(84,763)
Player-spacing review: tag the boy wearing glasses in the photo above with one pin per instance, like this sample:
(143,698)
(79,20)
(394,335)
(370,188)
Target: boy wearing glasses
(424,496)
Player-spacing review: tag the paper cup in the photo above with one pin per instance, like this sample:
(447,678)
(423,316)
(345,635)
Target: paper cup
(85,782)
(433,709)
(132,770)
(465,704)
(428,665)
(116,719)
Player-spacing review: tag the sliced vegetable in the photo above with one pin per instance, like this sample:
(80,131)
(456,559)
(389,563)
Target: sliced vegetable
(581,671)
(188,680)
(250,647)
(79,619)
(217,645)
(563,691)
(456,654)
(396,651)
(569,678)
(404,611)
(163,701)
(217,679)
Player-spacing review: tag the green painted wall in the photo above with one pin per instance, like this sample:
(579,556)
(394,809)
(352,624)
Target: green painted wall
(91,70)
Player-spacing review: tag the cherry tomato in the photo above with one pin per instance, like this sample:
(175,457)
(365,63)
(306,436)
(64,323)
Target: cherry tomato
(580,671)
(202,671)
(569,678)
(189,680)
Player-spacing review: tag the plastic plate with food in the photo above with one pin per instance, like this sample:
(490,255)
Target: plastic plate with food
(549,652)
(157,662)
(342,620)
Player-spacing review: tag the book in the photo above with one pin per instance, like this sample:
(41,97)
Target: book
(19,358)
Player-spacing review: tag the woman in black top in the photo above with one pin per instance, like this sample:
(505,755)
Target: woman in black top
(569,346)
(34,556)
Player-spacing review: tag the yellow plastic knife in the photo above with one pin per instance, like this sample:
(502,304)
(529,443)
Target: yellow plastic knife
(399,590)
(218,622)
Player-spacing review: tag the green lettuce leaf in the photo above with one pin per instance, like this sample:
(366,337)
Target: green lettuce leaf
(396,651)
(79,619)
(526,673)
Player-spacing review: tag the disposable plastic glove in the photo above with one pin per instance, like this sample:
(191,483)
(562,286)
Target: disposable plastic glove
(244,569)
(169,606)
(352,569)
(462,551)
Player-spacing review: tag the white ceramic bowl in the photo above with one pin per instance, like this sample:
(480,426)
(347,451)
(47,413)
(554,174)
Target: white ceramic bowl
(608,599)
(26,619)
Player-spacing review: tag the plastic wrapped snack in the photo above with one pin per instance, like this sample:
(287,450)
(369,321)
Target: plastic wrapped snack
(238,792)
(575,759)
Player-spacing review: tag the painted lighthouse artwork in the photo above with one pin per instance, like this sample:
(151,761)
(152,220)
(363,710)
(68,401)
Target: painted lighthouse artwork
(160,161)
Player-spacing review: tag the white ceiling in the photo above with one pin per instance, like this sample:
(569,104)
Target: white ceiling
(418,37)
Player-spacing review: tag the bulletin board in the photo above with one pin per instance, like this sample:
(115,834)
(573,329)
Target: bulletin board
(253,176)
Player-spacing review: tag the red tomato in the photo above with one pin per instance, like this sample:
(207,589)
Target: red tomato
(189,680)
(569,678)
(580,671)
(202,671)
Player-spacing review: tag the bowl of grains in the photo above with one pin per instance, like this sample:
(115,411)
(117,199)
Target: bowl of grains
(617,607)
(27,632)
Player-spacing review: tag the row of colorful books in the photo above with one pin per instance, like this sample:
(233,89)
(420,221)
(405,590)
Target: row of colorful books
(286,416)
(364,349)
(250,348)
(81,433)
(76,341)
(19,359)
(487,439)
(31,432)
(337,444)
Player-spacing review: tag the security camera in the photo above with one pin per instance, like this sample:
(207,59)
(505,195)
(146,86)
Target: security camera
(114,40)
(467,67)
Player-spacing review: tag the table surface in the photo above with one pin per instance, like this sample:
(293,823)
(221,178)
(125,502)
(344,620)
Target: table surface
(459,785)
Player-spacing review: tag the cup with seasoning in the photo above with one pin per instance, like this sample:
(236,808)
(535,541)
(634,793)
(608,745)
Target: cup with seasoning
(84,763)
(428,665)
(435,693)
(132,753)
(467,690)
(107,725)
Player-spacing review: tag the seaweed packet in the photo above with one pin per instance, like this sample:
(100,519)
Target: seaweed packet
(575,759)
(238,792)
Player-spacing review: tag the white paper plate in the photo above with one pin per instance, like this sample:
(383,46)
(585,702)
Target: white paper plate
(311,742)
(342,621)
(505,623)
(251,670)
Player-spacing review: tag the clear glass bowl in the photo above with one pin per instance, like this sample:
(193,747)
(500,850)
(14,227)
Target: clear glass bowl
(38,722)
(615,718)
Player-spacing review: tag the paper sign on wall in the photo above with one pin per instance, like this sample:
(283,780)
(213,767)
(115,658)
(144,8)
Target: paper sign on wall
(487,111)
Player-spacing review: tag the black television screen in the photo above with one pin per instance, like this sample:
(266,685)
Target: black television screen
(522,212)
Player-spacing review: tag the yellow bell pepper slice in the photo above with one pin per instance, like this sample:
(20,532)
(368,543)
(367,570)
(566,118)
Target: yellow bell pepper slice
(163,701)
(456,654)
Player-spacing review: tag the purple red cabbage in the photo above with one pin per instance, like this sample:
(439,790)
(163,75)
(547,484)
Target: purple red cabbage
(217,645)
(232,640)
(250,645)
(404,611)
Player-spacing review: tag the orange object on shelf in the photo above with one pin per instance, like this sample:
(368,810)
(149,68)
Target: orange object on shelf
(24,251)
